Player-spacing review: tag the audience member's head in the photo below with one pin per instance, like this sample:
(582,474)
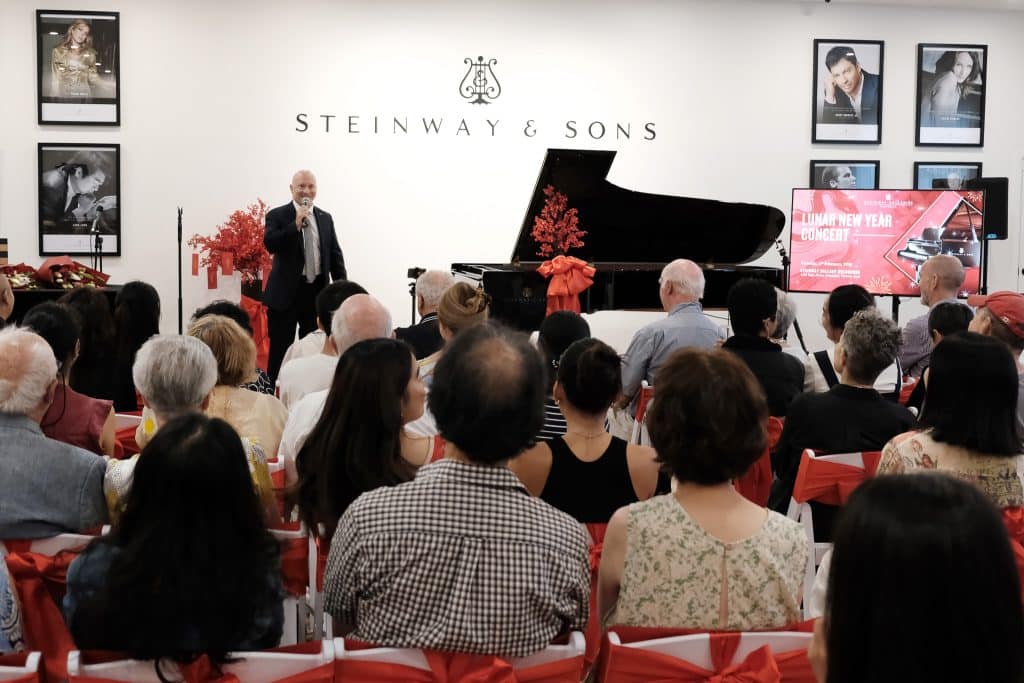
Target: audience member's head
(430,287)
(331,298)
(752,305)
(948,318)
(922,573)
(6,299)
(785,314)
(869,344)
(90,375)
(175,374)
(682,281)
(355,446)
(461,306)
(192,561)
(589,376)
(59,325)
(972,395)
(233,349)
(940,278)
(358,318)
(28,373)
(228,309)
(137,317)
(556,333)
(488,393)
(1000,315)
(840,305)
(708,422)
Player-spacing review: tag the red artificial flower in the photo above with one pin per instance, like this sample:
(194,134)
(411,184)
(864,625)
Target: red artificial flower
(242,237)
(556,229)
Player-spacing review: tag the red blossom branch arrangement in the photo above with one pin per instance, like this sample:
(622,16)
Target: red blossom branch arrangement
(242,237)
(556,229)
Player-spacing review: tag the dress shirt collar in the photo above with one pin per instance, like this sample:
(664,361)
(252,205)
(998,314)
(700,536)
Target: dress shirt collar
(11,421)
(487,476)
(683,306)
(428,317)
(748,342)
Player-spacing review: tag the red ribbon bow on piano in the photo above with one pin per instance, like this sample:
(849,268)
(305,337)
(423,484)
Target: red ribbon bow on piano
(569,277)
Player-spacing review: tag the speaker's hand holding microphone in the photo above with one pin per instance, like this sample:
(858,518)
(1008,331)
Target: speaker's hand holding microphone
(302,215)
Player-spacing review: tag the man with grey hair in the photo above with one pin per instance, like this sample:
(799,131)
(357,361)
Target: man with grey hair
(425,336)
(851,416)
(359,317)
(47,487)
(940,279)
(681,289)
(6,300)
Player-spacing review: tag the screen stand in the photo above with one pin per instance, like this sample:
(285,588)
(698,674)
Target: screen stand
(896,309)
(983,285)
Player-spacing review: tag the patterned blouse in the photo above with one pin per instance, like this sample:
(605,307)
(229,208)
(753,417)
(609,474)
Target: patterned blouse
(995,475)
(677,575)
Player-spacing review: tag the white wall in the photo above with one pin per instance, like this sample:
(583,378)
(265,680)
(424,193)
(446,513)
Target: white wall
(211,90)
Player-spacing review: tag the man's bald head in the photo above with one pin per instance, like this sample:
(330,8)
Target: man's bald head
(303,185)
(28,372)
(360,317)
(6,298)
(682,281)
(941,278)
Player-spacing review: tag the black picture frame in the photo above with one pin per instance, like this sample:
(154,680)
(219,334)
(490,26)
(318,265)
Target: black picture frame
(79,198)
(841,121)
(864,172)
(950,109)
(940,173)
(78,85)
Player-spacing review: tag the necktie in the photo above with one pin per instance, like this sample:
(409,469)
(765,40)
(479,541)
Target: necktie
(309,249)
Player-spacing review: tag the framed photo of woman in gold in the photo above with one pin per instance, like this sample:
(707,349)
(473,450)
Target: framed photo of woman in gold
(78,57)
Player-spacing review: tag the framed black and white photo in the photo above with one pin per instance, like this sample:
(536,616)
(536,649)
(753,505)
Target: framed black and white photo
(847,99)
(944,175)
(78,67)
(843,175)
(951,95)
(79,198)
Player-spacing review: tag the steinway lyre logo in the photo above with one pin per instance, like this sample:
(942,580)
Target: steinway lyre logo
(480,85)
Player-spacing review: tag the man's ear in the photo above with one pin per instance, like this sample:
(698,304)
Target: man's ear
(50,391)
(206,402)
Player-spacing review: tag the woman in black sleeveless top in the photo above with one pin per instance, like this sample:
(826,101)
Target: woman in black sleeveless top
(587,472)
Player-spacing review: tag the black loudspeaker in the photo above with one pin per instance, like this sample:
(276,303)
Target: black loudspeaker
(997,197)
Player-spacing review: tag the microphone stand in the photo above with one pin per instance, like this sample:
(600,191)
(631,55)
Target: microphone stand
(785,278)
(180,306)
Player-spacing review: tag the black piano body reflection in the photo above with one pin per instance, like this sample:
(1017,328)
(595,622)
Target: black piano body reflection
(630,237)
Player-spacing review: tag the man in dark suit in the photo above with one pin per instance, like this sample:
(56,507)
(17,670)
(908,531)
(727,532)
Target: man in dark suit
(425,336)
(301,237)
(851,94)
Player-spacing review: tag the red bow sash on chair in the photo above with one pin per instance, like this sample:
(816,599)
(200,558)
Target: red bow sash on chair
(294,562)
(1013,519)
(756,483)
(569,276)
(831,483)
(260,334)
(449,667)
(18,659)
(592,633)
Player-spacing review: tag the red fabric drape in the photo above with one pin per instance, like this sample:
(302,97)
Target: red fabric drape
(592,633)
(1013,518)
(569,276)
(18,659)
(756,483)
(451,667)
(258,320)
(831,483)
(294,562)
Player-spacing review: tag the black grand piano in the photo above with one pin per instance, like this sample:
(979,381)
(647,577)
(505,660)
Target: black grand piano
(630,237)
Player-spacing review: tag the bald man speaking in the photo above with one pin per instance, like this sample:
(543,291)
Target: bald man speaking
(306,258)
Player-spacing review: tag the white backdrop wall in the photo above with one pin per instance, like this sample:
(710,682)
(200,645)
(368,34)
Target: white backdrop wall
(211,92)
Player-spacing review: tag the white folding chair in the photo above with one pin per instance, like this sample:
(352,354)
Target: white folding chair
(640,435)
(31,666)
(294,609)
(122,421)
(56,544)
(695,648)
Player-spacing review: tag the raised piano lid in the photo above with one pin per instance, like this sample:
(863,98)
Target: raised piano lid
(626,226)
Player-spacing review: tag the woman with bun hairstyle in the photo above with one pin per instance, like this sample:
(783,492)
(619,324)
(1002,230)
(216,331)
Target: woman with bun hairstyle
(461,306)
(587,472)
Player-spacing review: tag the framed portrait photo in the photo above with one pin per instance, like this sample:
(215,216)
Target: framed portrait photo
(843,175)
(944,175)
(78,68)
(951,95)
(79,198)
(847,96)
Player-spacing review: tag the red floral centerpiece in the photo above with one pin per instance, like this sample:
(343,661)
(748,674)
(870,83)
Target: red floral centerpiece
(63,272)
(557,230)
(237,245)
(21,276)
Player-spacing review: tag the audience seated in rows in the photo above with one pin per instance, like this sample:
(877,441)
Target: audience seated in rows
(753,305)
(588,473)
(968,420)
(176,375)
(93,372)
(73,418)
(850,417)
(923,588)
(358,443)
(302,376)
(943,320)
(6,300)
(1001,315)
(703,556)
(230,309)
(462,558)
(461,307)
(189,569)
(136,319)
(940,280)
(254,416)
(840,305)
(47,487)
(425,336)
(313,343)
(557,331)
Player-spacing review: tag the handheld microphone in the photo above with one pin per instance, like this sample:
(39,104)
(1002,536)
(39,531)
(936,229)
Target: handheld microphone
(306,202)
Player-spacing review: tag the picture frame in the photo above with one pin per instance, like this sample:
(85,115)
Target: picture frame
(78,75)
(944,175)
(79,198)
(950,95)
(838,175)
(846,97)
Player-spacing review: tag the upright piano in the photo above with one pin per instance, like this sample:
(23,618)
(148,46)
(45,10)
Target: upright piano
(630,237)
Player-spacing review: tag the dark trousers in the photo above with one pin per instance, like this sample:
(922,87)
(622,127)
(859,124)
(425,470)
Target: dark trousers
(281,323)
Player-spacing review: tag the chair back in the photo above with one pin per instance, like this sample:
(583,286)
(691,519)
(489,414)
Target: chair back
(20,667)
(756,483)
(292,538)
(643,402)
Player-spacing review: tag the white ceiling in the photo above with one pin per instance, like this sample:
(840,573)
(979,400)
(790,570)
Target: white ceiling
(1017,5)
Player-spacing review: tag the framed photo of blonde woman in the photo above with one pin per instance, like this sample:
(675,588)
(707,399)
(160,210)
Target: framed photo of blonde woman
(951,95)
(78,68)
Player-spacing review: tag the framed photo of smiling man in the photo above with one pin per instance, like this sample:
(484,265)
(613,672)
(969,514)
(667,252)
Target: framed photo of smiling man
(847,100)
